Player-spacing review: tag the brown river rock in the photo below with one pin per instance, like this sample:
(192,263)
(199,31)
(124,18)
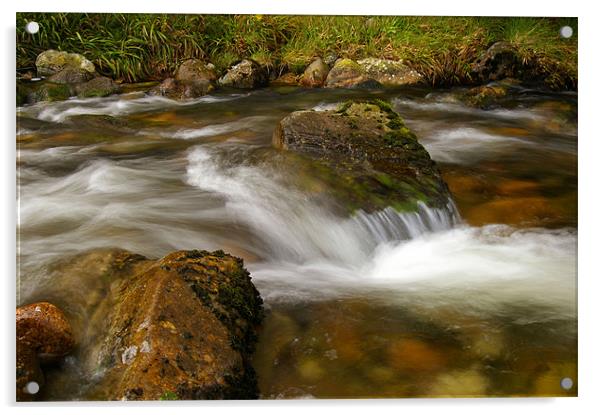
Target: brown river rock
(180,327)
(43,335)
(184,329)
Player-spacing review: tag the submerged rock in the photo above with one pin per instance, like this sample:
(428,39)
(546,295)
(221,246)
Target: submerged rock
(377,160)
(485,96)
(246,74)
(52,61)
(347,73)
(315,74)
(43,336)
(390,73)
(184,328)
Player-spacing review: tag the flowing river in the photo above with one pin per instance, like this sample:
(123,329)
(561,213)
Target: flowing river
(478,299)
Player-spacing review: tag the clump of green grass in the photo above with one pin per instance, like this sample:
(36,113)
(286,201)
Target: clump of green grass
(168,396)
(137,47)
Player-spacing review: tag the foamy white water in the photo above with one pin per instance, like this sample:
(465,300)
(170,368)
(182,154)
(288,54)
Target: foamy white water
(467,144)
(302,249)
(316,254)
(212,197)
(117,105)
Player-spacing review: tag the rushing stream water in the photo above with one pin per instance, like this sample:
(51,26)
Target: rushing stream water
(473,300)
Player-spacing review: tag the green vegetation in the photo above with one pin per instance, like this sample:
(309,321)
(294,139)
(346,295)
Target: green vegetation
(168,396)
(137,47)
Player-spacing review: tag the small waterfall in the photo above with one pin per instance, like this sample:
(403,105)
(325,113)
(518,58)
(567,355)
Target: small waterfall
(290,227)
(390,225)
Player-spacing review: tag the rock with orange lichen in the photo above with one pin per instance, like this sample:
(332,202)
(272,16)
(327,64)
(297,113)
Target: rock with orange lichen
(184,329)
(43,336)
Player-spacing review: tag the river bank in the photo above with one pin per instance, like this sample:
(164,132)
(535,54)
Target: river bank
(443,50)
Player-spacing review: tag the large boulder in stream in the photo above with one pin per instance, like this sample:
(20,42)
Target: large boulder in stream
(184,329)
(180,327)
(377,161)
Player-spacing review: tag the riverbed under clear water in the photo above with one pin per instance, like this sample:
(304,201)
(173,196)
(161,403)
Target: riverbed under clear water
(475,300)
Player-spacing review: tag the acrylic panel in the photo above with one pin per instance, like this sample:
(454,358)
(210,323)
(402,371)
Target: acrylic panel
(288,207)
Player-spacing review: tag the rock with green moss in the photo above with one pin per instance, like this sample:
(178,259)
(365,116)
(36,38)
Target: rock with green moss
(375,159)
(101,86)
(347,73)
(390,73)
(52,61)
(49,91)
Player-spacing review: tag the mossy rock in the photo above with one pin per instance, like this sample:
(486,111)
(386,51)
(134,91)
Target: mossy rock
(347,73)
(49,91)
(100,86)
(367,154)
(52,61)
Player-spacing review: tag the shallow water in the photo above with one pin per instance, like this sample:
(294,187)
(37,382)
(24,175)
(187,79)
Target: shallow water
(477,299)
